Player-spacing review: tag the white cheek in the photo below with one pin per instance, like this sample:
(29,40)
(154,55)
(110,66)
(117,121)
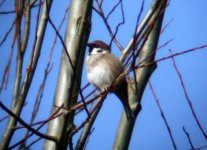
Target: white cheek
(95,50)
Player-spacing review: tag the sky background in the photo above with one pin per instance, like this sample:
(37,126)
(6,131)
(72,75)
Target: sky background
(188,30)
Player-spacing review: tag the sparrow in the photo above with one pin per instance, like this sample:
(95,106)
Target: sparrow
(103,68)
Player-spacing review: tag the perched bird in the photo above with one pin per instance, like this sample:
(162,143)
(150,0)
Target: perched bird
(103,68)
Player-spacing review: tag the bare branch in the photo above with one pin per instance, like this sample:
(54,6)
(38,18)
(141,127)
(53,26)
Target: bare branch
(121,23)
(42,124)
(42,85)
(7,33)
(8,12)
(32,143)
(2,119)
(18,105)
(113,9)
(187,97)
(188,136)
(142,74)
(163,116)
(26,125)
(102,15)
(72,66)
(5,78)
(164,28)
(173,55)
(88,124)
(140,29)
(70,69)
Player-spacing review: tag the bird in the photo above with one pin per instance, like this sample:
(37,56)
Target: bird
(103,68)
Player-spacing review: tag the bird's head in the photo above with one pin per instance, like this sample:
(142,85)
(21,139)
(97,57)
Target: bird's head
(98,47)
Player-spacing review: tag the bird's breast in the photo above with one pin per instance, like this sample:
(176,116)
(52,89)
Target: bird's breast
(99,72)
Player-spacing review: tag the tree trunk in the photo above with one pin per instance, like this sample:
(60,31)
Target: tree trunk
(69,79)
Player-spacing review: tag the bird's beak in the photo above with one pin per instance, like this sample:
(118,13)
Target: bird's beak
(88,45)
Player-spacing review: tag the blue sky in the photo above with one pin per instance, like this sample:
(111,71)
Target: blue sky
(188,30)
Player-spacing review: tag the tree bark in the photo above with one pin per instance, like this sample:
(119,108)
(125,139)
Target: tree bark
(69,78)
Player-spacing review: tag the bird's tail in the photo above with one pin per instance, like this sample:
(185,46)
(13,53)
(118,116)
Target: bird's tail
(122,93)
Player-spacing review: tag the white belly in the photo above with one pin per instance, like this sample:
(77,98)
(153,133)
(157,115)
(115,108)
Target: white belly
(101,77)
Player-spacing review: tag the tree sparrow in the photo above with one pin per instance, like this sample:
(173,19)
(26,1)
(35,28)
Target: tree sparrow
(103,68)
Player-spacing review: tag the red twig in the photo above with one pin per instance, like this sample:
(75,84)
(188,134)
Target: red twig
(102,15)
(154,51)
(25,138)
(140,39)
(46,73)
(162,115)
(43,121)
(5,77)
(14,11)
(187,97)
(118,25)
(173,55)
(94,109)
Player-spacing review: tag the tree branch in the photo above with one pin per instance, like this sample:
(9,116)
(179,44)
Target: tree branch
(142,75)
(76,37)
(18,105)
(26,125)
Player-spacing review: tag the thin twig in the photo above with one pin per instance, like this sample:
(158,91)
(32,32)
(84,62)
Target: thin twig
(134,47)
(32,143)
(102,15)
(5,78)
(118,25)
(26,125)
(139,30)
(2,119)
(162,115)
(174,55)
(165,27)
(187,97)
(26,83)
(8,12)
(46,73)
(7,33)
(25,138)
(189,139)
(90,121)
(43,121)
(113,9)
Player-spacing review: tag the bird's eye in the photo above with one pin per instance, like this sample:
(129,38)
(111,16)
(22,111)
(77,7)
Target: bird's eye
(99,50)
